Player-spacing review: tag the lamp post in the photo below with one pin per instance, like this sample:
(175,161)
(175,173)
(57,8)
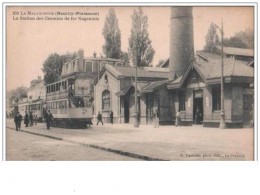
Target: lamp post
(222,124)
(136,122)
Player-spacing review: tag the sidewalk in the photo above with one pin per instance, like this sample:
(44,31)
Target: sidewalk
(165,143)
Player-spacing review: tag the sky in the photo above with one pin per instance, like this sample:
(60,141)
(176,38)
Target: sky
(30,42)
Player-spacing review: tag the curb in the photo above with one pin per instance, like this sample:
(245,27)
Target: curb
(120,152)
(48,136)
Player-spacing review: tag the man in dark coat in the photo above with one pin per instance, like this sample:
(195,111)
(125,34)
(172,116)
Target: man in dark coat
(26,119)
(111,117)
(16,121)
(48,119)
(31,119)
(99,118)
(19,120)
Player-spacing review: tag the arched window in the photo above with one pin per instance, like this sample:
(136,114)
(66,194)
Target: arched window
(106,100)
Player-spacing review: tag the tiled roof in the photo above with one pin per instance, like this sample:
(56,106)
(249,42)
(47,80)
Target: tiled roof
(153,85)
(103,59)
(207,55)
(237,51)
(141,72)
(232,67)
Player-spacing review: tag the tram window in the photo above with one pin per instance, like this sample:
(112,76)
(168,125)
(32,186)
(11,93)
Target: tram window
(88,67)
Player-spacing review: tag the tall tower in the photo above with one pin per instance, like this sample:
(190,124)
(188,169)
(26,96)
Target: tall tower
(181,41)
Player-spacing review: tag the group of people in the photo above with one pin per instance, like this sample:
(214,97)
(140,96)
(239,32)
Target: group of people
(30,119)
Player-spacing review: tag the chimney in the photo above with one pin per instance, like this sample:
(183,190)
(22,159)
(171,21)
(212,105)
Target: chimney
(181,41)
(94,54)
(81,59)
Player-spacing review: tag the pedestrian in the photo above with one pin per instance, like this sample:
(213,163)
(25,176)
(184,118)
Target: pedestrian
(178,119)
(35,119)
(20,118)
(48,119)
(197,116)
(111,117)
(252,116)
(16,121)
(156,118)
(99,118)
(31,119)
(26,119)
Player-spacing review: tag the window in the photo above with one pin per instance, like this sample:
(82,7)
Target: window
(181,100)
(119,64)
(88,67)
(106,100)
(57,87)
(73,66)
(216,98)
(106,79)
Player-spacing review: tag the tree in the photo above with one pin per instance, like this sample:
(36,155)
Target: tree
(212,38)
(112,35)
(52,66)
(125,57)
(242,39)
(16,94)
(234,42)
(140,49)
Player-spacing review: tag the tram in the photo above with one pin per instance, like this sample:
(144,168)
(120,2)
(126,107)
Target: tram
(70,102)
(37,107)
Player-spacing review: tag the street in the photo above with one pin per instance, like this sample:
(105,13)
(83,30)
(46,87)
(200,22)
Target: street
(22,146)
(146,143)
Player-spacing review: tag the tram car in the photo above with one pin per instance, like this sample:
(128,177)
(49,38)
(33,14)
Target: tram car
(70,102)
(37,107)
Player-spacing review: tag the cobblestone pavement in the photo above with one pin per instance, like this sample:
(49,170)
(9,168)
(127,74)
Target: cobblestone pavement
(165,142)
(23,146)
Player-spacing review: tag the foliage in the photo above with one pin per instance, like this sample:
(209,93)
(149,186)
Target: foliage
(112,35)
(125,57)
(140,49)
(212,38)
(242,39)
(52,66)
(16,94)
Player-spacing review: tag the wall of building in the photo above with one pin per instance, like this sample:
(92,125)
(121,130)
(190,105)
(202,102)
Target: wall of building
(113,86)
(38,90)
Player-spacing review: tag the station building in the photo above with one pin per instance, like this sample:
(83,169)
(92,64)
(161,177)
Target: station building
(189,83)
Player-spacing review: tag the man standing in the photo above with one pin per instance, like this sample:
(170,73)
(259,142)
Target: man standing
(156,118)
(16,121)
(26,119)
(19,120)
(178,119)
(99,117)
(31,119)
(111,117)
(48,119)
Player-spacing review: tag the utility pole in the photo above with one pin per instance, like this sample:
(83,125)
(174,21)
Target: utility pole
(136,121)
(222,124)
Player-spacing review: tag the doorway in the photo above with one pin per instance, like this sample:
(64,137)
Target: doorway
(198,107)
(126,110)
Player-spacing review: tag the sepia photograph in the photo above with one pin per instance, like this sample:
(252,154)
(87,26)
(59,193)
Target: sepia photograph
(130,83)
